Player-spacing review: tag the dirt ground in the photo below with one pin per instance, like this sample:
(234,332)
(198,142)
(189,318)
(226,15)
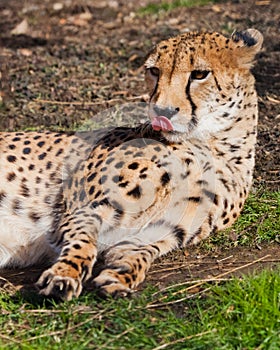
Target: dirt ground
(62,62)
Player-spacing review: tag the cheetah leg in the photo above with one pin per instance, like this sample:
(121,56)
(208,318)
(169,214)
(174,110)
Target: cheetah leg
(77,241)
(126,265)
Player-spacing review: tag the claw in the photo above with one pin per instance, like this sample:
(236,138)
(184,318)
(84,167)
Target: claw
(59,287)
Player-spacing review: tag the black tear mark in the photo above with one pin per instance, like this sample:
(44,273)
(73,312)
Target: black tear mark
(193,106)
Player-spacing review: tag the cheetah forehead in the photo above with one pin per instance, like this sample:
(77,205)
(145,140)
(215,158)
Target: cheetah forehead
(187,47)
(195,50)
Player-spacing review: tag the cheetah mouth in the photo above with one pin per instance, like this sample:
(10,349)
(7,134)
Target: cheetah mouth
(162,123)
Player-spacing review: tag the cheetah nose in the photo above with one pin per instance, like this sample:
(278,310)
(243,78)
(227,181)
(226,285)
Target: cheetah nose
(167,112)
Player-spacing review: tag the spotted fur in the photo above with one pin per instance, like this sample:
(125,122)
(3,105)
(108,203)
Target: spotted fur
(130,195)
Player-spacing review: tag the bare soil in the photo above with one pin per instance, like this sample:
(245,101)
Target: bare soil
(75,59)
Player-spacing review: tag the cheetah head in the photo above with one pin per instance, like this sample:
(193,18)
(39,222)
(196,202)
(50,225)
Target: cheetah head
(197,82)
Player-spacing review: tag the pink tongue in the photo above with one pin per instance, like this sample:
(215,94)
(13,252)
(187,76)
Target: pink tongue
(162,123)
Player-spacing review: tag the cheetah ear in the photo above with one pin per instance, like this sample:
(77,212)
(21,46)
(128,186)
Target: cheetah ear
(247,44)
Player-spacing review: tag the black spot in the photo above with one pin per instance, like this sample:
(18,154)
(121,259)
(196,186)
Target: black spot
(24,190)
(143,170)
(103,179)
(194,199)
(11,176)
(184,176)
(34,217)
(97,194)
(225,183)
(135,192)
(91,190)
(119,165)
(90,166)
(138,154)
(2,196)
(16,206)
(42,156)
(225,203)
(11,159)
(58,140)
(40,144)
(26,150)
(38,180)
(109,160)
(165,178)
(202,182)
(91,177)
(82,195)
(98,163)
(117,178)
(59,152)
(210,220)
(49,165)
(133,166)
(226,221)
(211,195)
(124,184)
(128,280)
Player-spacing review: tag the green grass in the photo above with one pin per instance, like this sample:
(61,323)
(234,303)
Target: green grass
(240,314)
(154,8)
(258,223)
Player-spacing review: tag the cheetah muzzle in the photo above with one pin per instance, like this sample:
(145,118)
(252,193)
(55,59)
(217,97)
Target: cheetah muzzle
(130,195)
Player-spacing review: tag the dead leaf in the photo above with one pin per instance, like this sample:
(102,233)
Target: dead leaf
(25,52)
(21,28)
(133,57)
(86,16)
(62,21)
(58,6)
(216,8)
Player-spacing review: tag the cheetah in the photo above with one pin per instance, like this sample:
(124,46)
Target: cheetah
(131,194)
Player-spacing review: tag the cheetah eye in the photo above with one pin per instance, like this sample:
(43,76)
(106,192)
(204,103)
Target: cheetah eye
(199,74)
(154,71)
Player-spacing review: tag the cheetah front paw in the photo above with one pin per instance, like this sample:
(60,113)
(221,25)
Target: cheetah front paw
(58,287)
(109,284)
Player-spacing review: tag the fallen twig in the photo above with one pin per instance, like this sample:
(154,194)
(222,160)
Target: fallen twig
(181,340)
(77,103)
(200,283)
